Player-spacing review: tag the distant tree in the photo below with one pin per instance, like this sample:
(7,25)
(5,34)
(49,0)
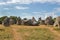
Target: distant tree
(19,21)
(39,19)
(2,18)
(25,19)
(54,19)
(14,18)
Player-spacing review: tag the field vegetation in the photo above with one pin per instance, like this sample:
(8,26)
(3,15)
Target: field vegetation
(21,32)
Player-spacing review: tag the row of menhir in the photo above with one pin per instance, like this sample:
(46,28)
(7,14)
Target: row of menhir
(32,22)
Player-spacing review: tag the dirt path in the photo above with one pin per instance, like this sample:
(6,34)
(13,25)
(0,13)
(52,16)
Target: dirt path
(18,37)
(52,30)
(16,34)
(57,34)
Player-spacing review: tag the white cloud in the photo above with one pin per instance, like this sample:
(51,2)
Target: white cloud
(26,15)
(18,7)
(45,14)
(2,3)
(21,1)
(29,1)
(53,13)
(36,12)
(57,9)
(6,8)
(29,17)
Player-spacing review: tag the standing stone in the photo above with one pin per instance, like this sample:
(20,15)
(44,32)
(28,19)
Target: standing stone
(19,21)
(57,22)
(41,22)
(33,19)
(49,21)
(24,21)
(29,22)
(6,22)
(11,21)
(34,22)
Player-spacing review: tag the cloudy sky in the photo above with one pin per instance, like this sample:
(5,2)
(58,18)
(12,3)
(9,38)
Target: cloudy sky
(30,8)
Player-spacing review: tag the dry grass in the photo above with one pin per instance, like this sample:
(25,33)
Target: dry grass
(21,32)
(5,33)
(57,29)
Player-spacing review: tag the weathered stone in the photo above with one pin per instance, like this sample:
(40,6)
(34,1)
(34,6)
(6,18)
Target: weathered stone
(6,22)
(30,22)
(33,19)
(24,21)
(19,21)
(42,22)
(49,21)
(11,21)
(33,22)
(57,22)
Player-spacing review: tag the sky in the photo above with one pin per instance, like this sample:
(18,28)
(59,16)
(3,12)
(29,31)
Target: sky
(30,8)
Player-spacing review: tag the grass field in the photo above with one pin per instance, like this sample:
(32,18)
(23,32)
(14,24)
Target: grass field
(15,32)
(57,29)
(36,34)
(5,33)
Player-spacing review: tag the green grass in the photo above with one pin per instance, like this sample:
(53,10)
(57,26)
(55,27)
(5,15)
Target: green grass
(36,34)
(5,33)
